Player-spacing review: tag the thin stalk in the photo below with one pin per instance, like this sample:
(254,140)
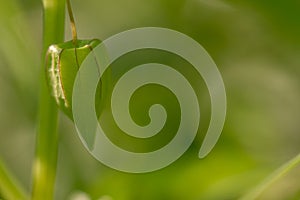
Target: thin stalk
(73,28)
(72,23)
(277,174)
(9,186)
(44,168)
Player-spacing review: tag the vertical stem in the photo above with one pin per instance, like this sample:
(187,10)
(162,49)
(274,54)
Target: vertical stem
(72,22)
(44,168)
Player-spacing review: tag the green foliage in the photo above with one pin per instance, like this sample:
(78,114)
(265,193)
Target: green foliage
(62,64)
(255,45)
(9,187)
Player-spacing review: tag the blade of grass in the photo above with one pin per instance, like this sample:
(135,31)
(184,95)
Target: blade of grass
(10,188)
(280,172)
(44,168)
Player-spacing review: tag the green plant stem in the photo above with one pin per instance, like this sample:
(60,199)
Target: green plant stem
(44,168)
(9,186)
(72,22)
(277,174)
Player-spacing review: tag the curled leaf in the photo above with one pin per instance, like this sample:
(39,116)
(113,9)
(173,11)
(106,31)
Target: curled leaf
(62,64)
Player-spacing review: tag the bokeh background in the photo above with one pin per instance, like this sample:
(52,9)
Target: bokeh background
(256,46)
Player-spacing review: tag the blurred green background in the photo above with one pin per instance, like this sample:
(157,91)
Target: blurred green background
(255,44)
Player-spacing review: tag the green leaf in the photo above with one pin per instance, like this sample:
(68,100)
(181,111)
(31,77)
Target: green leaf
(62,64)
(9,187)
